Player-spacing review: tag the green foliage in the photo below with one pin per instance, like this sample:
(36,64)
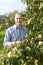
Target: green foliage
(23,54)
(34,18)
(7,21)
(31,50)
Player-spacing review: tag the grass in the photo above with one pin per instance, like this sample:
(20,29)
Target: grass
(2,34)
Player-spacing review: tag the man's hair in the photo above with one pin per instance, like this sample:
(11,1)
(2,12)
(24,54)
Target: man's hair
(18,13)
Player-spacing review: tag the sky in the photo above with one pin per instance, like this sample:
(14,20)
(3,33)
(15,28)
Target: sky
(7,6)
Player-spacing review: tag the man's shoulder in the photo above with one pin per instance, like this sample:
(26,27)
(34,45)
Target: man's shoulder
(11,28)
(25,29)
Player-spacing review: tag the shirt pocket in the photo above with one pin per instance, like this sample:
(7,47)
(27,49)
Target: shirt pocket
(14,37)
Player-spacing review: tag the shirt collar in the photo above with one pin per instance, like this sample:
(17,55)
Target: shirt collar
(17,27)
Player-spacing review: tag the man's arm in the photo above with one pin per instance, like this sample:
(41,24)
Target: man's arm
(7,39)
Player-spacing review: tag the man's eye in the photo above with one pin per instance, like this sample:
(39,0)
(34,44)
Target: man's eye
(18,18)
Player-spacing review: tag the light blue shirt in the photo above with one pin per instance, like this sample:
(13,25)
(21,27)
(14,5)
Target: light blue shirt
(14,34)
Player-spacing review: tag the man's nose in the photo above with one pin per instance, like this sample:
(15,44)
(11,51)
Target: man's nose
(18,20)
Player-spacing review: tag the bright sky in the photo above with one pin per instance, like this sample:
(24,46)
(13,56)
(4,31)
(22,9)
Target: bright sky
(7,6)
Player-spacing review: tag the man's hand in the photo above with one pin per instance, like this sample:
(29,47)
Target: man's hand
(19,42)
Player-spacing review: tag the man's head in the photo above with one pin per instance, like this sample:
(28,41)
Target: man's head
(18,19)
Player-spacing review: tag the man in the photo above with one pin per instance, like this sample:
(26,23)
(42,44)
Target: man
(16,33)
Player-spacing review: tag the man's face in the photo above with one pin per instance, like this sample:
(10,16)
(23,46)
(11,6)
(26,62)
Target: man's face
(18,20)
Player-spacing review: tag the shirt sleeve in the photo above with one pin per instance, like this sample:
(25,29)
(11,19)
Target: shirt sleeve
(26,31)
(7,39)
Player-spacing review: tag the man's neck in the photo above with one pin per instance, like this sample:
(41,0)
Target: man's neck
(19,26)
